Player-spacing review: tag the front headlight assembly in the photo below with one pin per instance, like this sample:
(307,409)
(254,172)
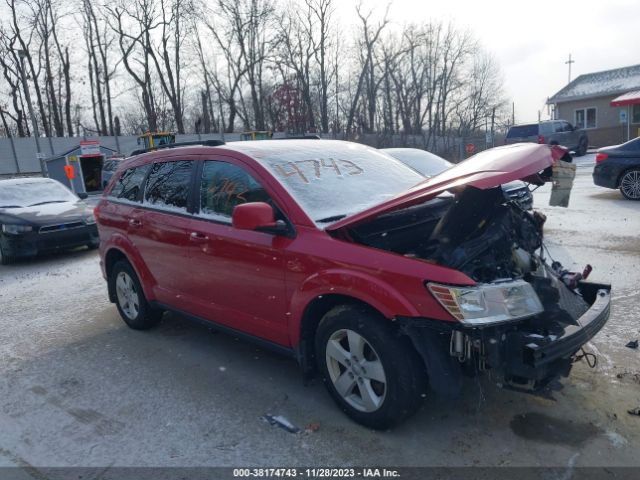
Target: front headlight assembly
(16,229)
(489,303)
(90,219)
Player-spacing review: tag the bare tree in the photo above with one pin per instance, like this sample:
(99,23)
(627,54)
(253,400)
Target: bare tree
(101,69)
(367,77)
(134,23)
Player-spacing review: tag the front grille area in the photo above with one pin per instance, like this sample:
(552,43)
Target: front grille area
(61,227)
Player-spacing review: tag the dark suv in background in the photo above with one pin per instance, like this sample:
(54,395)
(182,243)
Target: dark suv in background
(551,132)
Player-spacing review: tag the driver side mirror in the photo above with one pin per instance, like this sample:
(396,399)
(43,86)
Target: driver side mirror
(257,216)
(83,195)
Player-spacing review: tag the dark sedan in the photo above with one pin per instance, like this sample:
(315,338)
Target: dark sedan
(41,215)
(429,165)
(619,167)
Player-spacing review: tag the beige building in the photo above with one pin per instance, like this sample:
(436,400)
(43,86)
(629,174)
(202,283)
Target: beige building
(586,102)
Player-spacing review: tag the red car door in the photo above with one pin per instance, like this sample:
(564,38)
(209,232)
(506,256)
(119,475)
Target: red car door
(160,229)
(124,197)
(236,277)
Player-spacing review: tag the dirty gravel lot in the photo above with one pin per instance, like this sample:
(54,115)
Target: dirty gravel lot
(77,388)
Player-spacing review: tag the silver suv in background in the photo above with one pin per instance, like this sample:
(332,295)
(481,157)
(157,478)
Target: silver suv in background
(559,132)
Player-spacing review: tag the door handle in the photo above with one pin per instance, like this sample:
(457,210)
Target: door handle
(134,222)
(198,237)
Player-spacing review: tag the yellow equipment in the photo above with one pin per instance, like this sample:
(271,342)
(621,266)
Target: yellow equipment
(151,141)
(256,135)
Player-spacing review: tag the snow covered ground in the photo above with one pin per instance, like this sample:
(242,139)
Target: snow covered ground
(77,388)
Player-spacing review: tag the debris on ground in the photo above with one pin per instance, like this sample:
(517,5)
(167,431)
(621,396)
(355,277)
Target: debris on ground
(632,344)
(312,427)
(634,411)
(633,376)
(281,422)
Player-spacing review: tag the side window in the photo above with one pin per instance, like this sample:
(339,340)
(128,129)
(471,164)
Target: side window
(558,127)
(168,185)
(224,186)
(546,128)
(129,184)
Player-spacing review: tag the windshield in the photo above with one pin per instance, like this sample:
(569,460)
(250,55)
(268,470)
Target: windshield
(331,180)
(26,194)
(423,162)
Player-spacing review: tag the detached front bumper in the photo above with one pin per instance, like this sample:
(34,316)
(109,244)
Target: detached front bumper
(531,359)
(522,353)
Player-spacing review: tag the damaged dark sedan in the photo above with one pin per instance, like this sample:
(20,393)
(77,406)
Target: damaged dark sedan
(387,285)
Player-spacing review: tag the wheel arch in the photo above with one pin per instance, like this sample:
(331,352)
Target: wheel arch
(624,171)
(113,255)
(313,313)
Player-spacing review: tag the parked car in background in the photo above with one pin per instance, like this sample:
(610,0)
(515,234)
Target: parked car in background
(384,283)
(40,215)
(550,132)
(109,167)
(618,166)
(429,165)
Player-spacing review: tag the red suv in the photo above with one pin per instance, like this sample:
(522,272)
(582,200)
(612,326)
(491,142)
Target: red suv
(332,252)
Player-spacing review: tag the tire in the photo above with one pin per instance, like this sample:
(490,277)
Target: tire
(5,259)
(385,383)
(582,148)
(132,305)
(630,184)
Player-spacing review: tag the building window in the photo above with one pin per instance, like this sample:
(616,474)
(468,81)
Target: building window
(585,118)
(635,114)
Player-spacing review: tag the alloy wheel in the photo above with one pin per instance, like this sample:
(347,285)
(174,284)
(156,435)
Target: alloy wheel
(128,298)
(630,184)
(355,370)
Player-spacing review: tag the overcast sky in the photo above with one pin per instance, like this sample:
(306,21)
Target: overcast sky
(532,40)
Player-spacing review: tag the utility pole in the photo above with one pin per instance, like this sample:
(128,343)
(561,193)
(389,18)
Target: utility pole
(569,62)
(34,124)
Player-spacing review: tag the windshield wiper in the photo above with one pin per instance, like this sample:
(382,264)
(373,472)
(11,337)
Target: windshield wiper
(331,219)
(48,201)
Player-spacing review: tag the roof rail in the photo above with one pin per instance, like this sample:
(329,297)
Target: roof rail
(205,143)
(302,137)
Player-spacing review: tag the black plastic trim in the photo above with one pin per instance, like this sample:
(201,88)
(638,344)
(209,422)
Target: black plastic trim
(267,344)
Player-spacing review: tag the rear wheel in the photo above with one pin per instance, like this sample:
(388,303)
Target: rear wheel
(130,300)
(630,184)
(374,376)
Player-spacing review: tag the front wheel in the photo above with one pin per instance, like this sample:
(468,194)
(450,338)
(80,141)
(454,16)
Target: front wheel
(4,258)
(130,300)
(374,375)
(630,184)
(583,146)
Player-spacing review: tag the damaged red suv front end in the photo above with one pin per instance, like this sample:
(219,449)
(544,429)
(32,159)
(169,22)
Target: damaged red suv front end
(386,284)
(525,317)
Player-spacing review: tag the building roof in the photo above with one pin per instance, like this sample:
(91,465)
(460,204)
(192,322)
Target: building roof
(600,84)
(629,98)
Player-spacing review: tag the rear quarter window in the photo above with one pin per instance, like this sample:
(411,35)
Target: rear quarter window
(168,185)
(520,131)
(129,184)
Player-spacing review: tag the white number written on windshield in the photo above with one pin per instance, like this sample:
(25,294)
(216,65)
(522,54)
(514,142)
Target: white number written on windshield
(306,169)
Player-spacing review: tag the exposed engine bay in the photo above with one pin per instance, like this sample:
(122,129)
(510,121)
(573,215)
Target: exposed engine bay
(493,240)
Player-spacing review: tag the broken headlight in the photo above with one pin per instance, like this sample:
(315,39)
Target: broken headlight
(489,303)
